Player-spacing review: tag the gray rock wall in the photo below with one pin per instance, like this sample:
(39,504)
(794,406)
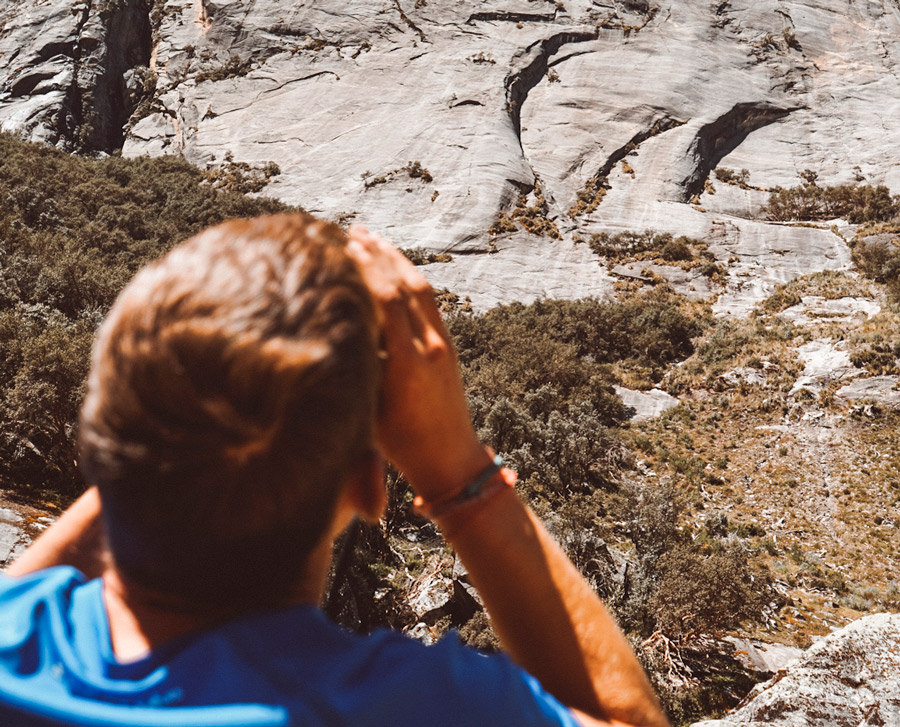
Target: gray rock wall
(851,678)
(639,100)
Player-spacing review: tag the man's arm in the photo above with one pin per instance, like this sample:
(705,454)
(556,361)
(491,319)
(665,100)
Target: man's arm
(75,539)
(546,615)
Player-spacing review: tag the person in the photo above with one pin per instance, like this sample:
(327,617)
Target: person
(243,393)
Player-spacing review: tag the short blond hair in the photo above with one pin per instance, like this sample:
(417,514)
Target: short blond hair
(233,387)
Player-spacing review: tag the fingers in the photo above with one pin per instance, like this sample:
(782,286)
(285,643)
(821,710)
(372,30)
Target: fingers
(395,283)
(388,267)
(424,426)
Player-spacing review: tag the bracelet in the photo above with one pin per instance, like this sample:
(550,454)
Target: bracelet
(493,478)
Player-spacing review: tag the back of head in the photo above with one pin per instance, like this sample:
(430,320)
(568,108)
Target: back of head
(232,389)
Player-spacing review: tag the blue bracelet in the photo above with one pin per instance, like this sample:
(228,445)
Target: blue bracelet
(469,492)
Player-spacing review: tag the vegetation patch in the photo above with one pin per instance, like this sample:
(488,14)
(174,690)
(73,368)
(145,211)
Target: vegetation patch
(688,253)
(590,195)
(880,261)
(72,232)
(241,177)
(733,349)
(414,170)
(828,284)
(234,67)
(879,359)
(534,217)
(418,256)
(856,203)
(729,176)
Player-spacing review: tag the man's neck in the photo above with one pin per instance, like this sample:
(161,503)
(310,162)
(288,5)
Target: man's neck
(141,620)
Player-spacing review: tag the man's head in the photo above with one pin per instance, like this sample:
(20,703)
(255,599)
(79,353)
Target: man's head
(232,391)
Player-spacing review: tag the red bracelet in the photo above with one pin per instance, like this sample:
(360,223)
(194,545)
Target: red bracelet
(492,479)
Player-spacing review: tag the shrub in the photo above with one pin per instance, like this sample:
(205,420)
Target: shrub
(856,203)
(540,387)
(650,245)
(706,594)
(676,250)
(828,284)
(677,585)
(72,233)
(880,261)
(880,359)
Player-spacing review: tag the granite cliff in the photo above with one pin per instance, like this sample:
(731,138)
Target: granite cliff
(632,103)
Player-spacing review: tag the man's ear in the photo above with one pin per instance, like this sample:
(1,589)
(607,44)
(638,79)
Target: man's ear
(365,488)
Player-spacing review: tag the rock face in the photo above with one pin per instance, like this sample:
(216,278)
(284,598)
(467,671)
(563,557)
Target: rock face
(13,539)
(69,72)
(642,405)
(848,679)
(615,112)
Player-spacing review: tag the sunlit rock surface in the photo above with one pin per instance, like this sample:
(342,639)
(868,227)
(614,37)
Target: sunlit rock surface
(12,537)
(848,679)
(641,101)
(641,405)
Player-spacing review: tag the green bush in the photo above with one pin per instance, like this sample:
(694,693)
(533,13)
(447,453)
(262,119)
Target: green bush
(706,594)
(676,250)
(72,233)
(857,203)
(540,385)
(680,585)
(880,261)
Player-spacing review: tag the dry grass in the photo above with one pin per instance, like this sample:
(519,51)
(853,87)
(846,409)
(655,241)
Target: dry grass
(532,212)
(818,480)
(828,284)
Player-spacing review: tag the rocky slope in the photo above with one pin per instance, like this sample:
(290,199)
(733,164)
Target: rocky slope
(849,679)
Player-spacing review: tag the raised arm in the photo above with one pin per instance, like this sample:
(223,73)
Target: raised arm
(546,615)
(75,539)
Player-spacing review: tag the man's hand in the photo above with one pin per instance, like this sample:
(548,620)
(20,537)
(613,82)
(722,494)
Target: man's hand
(547,616)
(424,426)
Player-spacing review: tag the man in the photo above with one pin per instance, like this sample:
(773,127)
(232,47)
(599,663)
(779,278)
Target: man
(242,393)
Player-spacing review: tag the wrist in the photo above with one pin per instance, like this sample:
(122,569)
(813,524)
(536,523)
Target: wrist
(445,476)
(488,482)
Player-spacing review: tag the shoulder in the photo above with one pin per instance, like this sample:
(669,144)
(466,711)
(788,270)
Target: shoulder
(389,678)
(26,600)
(454,684)
(40,585)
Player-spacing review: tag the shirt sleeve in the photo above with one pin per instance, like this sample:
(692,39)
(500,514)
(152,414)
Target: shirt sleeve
(451,684)
(508,695)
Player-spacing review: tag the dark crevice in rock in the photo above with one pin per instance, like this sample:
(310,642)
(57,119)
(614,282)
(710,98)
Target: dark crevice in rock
(112,39)
(717,139)
(511,17)
(666,123)
(537,56)
(129,46)
(69,118)
(409,23)
(595,188)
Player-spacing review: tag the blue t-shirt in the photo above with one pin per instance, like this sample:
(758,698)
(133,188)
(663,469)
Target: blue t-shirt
(287,667)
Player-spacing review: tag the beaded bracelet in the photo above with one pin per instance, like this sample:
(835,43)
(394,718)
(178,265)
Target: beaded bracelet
(493,478)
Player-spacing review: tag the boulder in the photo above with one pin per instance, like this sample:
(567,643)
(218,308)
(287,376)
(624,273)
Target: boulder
(642,405)
(850,678)
(13,538)
(883,390)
